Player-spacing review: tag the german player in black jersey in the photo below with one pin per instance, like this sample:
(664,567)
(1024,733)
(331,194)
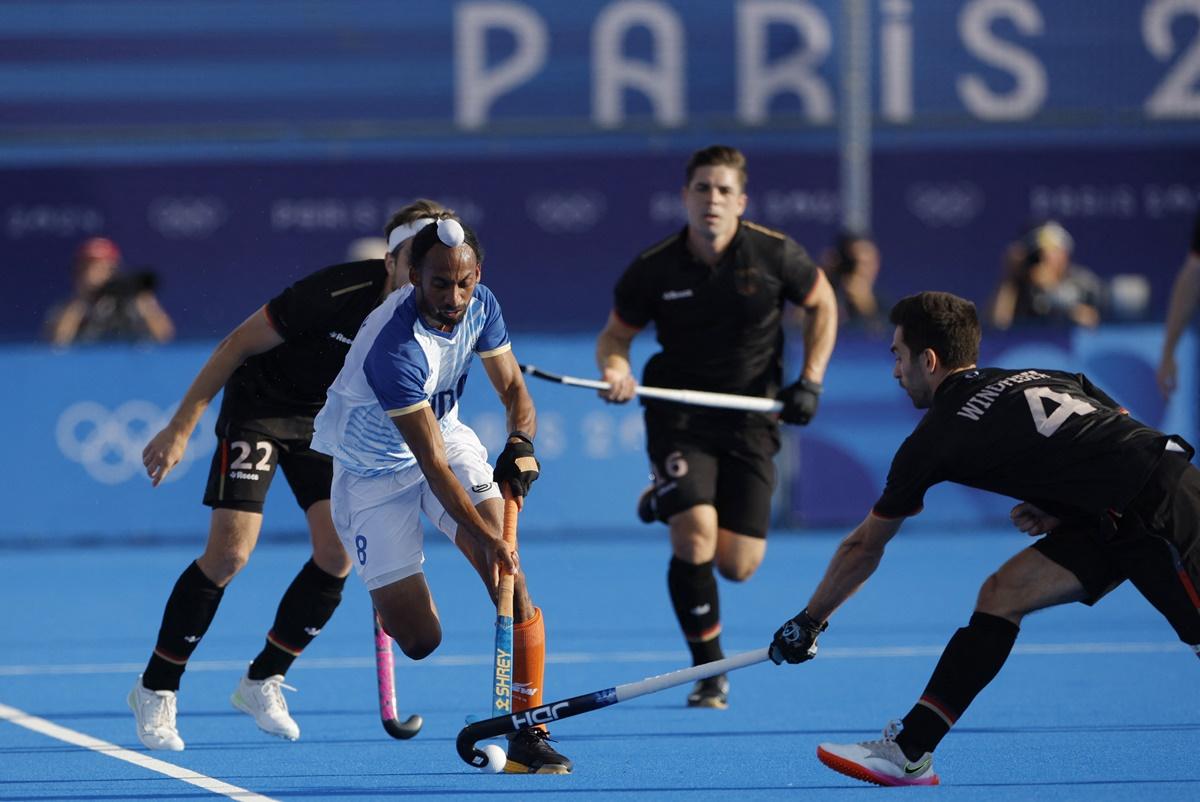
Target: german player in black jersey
(275,368)
(715,293)
(1185,295)
(1114,499)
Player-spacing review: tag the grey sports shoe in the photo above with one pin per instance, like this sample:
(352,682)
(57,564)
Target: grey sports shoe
(154,712)
(263,699)
(882,762)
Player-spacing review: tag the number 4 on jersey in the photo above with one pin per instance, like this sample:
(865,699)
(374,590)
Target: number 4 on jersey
(1047,425)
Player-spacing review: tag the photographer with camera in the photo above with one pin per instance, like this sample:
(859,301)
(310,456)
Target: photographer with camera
(108,306)
(1042,284)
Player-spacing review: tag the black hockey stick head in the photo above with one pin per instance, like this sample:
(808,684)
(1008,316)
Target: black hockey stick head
(403,730)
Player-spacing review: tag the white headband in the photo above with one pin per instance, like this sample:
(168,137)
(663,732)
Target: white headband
(401,233)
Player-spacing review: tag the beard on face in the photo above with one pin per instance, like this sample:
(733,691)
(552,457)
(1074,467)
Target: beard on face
(439,315)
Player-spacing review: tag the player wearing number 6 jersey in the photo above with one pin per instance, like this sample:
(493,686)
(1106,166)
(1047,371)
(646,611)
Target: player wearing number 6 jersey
(1114,499)
(275,368)
(391,425)
(716,292)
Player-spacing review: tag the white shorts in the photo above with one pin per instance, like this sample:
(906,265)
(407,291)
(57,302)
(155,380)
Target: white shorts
(378,518)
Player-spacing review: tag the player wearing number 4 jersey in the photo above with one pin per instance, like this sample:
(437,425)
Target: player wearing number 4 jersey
(391,425)
(275,368)
(1114,499)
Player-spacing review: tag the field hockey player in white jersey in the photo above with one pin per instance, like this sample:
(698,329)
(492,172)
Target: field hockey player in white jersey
(391,424)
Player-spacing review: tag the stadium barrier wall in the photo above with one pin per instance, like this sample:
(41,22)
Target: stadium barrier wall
(76,422)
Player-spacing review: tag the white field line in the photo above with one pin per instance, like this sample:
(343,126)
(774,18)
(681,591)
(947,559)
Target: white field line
(52,730)
(826,653)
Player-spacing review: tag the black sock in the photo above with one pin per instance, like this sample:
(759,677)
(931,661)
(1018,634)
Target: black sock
(190,609)
(693,591)
(969,662)
(305,608)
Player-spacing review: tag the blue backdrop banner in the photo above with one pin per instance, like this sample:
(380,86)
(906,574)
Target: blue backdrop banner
(557,233)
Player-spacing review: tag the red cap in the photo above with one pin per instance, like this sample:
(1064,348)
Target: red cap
(98,248)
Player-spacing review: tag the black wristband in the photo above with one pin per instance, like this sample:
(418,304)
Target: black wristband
(806,620)
(810,385)
(521,435)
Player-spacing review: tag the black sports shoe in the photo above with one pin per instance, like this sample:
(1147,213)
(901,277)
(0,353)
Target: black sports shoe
(529,752)
(647,507)
(712,692)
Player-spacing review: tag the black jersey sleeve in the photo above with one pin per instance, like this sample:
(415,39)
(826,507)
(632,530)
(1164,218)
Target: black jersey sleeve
(633,297)
(915,468)
(300,307)
(311,303)
(799,272)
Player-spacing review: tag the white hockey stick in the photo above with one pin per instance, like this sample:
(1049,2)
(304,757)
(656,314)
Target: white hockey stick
(699,398)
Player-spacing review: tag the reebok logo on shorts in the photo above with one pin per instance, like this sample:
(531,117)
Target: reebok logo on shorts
(483,488)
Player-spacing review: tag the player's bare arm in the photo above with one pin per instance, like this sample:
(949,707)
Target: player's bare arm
(852,564)
(612,357)
(420,431)
(505,375)
(516,466)
(254,335)
(855,560)
(820,328)
(1184,296)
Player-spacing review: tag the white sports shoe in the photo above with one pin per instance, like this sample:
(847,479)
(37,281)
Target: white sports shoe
(155,715)
(881,762)
(263,699)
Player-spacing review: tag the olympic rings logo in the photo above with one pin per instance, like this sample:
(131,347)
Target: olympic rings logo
(108,443)
(953,204)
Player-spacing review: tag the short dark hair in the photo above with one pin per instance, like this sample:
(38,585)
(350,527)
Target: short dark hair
(427,237)
(421,207)
(718,156)
(941,322)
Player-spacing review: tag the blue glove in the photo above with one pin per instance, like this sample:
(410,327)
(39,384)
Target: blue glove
(796,640)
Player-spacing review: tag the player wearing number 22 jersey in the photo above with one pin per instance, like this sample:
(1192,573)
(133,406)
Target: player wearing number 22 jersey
(275,368)
(1114,500)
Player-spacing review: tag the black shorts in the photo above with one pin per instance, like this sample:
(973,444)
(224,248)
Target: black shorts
(1155,544)
(247,454)
(714,460)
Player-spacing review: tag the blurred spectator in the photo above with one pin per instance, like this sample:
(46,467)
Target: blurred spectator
(1184,296)
(852,265)
(107,305)
(364,248)
(1041,283)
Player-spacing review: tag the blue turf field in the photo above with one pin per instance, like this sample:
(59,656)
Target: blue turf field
(1099,704)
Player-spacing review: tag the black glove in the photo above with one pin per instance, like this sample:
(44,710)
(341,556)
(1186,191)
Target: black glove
(516,464)
(799,401)
(796,640)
